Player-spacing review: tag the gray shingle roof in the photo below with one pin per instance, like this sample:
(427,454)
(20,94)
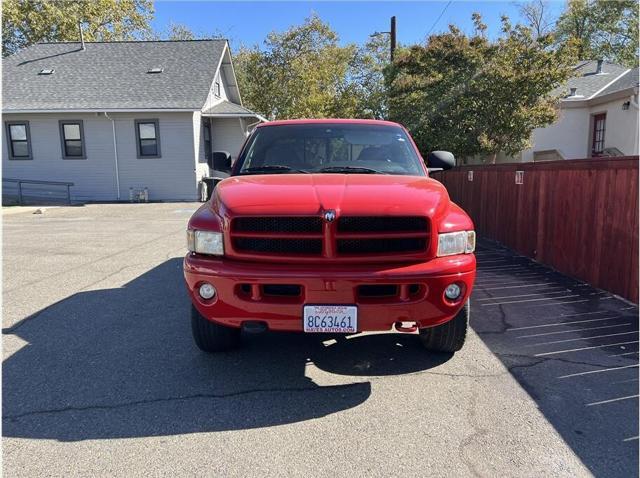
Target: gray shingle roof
(628,80)
(228,108)
(588,82)
(111,75)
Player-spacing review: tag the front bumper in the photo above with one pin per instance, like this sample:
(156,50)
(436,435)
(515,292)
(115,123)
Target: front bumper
(241,295)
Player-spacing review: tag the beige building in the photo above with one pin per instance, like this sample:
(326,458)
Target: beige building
(598,117)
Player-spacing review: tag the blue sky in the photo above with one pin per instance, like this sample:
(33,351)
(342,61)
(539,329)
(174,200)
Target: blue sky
(244,22)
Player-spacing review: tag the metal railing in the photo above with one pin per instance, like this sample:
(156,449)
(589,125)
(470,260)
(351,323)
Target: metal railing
(22,194)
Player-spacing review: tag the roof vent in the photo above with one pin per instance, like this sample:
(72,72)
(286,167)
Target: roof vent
(599,67)
(46,71)
(155,70)
(573,91)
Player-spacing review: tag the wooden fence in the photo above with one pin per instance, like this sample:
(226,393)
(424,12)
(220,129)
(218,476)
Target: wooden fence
(578,216)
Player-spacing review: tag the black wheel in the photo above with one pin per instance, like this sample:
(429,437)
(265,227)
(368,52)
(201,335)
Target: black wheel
(448,337)
(212,337)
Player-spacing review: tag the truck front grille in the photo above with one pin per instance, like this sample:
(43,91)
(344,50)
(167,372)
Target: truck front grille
(259,245)
(355,237)
(285,225)
(370,224)
(380,246)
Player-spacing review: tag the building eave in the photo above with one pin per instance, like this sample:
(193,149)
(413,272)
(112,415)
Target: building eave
(100,110)
(235,115)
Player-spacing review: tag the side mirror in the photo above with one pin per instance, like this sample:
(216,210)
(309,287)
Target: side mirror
(440,160)
(220,161)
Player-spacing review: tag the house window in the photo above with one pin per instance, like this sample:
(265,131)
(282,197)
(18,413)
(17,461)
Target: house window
(206,133)
(148,138)
(216,89)
(72,139)
(597,141)
(19,140)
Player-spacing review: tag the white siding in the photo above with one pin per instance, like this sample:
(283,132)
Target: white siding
(571,134)
(621,126)
(170,177)
(228,135)
(202,168)
(212,98)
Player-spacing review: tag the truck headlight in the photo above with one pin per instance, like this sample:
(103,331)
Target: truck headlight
(205,242)
(462,242)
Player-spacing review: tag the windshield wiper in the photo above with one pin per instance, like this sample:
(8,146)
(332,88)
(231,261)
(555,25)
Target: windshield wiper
(350,169)
(271,168)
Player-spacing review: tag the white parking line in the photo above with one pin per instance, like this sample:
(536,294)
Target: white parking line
(611,400)
(511,279)
(621,355)
(584,348)
(530,300)
(567,302)
(597,371)
(580,314)
(581,338)
(561,291)
(574,330)
(562,323)
(501,268)
(540,284)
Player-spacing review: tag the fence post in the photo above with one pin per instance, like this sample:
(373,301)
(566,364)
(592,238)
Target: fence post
(19,193)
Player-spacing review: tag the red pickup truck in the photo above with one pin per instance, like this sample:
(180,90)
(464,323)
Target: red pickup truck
(330,226)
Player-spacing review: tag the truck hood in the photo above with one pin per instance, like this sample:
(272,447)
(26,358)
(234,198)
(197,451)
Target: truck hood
(310,194)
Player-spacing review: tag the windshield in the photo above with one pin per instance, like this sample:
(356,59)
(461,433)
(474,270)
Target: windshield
(330,148)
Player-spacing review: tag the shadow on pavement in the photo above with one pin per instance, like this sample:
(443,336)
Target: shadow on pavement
(573,348)
(120,363)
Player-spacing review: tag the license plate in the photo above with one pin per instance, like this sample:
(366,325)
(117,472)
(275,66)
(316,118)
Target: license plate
(341,319)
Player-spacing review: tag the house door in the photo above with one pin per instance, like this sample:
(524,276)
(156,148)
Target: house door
(597,135)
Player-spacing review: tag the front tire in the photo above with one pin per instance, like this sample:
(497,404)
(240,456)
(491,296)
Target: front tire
(211,337)
(448,337)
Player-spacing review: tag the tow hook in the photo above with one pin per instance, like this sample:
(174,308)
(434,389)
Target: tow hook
(407,327)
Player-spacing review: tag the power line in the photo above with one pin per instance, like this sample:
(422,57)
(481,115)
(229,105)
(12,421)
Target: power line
(438,19)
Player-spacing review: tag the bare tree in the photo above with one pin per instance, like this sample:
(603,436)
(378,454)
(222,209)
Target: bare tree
(536,15)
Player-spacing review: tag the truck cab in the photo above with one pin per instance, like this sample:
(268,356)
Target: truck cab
(330,226)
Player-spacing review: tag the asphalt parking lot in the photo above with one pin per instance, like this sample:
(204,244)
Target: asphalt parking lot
(101,378)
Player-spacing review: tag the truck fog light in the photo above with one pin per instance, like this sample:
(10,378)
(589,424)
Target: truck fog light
(452,292)
(207,291)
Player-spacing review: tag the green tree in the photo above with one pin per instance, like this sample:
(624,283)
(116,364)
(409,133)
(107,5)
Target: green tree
(367,80)
(601,29)
(25,22)
(470,95)
(304,72)
(179,31)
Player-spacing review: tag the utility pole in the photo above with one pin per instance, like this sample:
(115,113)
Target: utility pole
(393,36)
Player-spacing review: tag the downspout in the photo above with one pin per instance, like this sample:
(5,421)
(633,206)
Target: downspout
(115,153)
(242,128)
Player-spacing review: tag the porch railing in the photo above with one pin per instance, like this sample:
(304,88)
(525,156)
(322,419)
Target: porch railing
(30,191)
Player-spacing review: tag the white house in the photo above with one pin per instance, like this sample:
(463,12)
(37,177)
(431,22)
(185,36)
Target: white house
(116,116)
(598,116)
